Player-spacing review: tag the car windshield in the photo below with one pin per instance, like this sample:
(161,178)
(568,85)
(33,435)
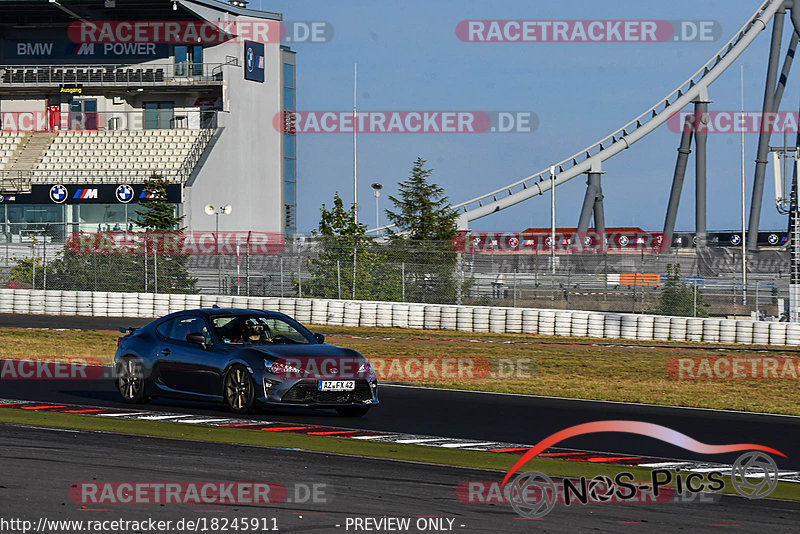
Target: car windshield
(257,330)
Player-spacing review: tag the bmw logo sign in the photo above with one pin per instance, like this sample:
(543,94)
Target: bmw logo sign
(773,239)
(735,239)
(250,60)
(623,240)
(124,193)
(58,193)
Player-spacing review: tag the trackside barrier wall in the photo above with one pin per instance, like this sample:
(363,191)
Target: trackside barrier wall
(413,315)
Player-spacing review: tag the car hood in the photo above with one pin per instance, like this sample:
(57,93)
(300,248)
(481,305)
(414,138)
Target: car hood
(274,352)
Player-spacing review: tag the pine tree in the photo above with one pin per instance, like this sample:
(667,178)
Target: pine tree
(678,298)
(158,215)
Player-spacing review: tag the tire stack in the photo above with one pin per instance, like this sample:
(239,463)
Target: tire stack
(645,327)
(793,334)
(160,304)
(613,325)
(761,333)
(629,326)
(547,323)
(146,304)
(286,306)
(335,313)
(302,310)
(416,316)
(464,319)
(694,329)
(6,301)
(400,315)
(480,319)
(711,328)
(352,313)
(52,302)
(207,301)
(69,302)
(432,318)
(22,301)
(193,302)
(677,328)
(580,324)
(116,304)
(530,321)
(177,303)
(727,331)
(497,320)
(37,301)
(319,311)
(513,321)
(563,326)
(449,318)
(100,304)
(130,305)
(661,328)
(369,314)
(240,302)
(777,333)
(596,325)
(225,301)
(744,332)
(271,304)
(384,315)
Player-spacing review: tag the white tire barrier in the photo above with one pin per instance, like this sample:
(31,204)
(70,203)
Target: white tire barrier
(497,320)
(530,321)
(777,333)
(22,301)
(286,306)
(727,331)
(369,314)
(207,301)
(480,319)
(677,328)
(694,329)
(580,324)
(514,321)
(400,315)
(432,318)
(335,313)
(661,328)
(711,330)
(761,333)
(793,334)
(352,313)
(177,303)
(69,302)
(563,323)
(239,302)
(613,326)
(384,315)
(193,302)
(448,318)
(645,326)
(595,327)
(416,316)
(464,319)
(629,327)
(6,301)
(272,304)
(52,301)
(302,310)
(146,304)
(744,332)
(160,304)
(100,303)
(319,311)
(547,323)
(37,301)
(130,305)
(114,301)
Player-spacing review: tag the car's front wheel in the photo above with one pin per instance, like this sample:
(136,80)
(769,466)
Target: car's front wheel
(130,380)
(352,411)
(240,391)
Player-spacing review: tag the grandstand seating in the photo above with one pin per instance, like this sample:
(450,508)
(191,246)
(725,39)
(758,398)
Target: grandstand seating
(111,156)
(9,142)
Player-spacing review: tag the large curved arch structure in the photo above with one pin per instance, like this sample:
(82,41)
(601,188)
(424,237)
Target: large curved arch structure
(591,157)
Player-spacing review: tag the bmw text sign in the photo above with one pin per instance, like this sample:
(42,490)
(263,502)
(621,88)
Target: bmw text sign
(65,51)
(254,61)
(68,193)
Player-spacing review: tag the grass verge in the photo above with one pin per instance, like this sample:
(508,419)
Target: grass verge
(416,453)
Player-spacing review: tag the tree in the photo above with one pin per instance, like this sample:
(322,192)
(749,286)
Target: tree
(157,215)
(422,240)
(347,259)
(679,298)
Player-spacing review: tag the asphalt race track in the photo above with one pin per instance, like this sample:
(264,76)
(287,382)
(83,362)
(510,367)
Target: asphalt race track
(40,465)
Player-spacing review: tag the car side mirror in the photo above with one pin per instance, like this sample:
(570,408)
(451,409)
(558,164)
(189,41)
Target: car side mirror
(319,337)
(197,339)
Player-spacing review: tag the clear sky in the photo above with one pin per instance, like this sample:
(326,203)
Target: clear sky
(409,58)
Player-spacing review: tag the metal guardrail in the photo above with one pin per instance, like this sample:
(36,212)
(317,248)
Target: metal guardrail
(112,74)
(194,155)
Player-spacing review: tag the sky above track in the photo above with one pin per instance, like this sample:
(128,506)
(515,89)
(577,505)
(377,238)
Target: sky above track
(410,58)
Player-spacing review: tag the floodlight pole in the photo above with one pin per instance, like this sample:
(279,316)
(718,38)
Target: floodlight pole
(553,219)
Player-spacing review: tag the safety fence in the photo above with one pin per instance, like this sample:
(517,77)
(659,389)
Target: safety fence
(545,322)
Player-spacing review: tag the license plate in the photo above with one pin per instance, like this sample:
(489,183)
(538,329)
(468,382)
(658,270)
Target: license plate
(336,385)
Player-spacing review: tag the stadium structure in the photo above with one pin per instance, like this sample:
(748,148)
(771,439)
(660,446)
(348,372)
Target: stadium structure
(87,118)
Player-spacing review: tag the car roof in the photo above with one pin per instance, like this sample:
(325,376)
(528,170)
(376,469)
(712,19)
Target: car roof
(216,312)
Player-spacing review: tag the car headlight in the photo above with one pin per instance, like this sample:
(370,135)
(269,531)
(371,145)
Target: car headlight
(281,368)
(366,371)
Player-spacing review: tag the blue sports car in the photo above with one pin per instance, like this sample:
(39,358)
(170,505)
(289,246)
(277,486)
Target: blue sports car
(244,358)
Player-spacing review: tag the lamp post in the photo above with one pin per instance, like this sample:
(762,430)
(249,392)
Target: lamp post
(376,190)
(210,209)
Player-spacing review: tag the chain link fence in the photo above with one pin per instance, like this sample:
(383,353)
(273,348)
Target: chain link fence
(685,282)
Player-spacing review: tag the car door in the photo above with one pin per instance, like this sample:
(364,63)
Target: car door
(185,367)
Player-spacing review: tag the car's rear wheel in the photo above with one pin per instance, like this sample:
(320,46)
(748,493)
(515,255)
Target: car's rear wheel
(352,411)
(240,391)
(130,380)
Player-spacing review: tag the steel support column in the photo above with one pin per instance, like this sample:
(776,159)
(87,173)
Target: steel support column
(684,150)
(768,107)
(700,137)
(599,213)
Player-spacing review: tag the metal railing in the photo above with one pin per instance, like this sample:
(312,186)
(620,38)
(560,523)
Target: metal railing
(196,152)
(112,74)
